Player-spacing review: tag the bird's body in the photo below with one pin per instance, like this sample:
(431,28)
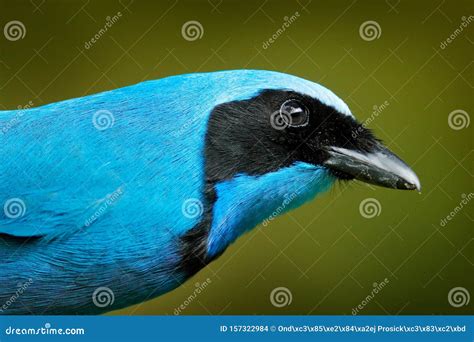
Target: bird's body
(133,189)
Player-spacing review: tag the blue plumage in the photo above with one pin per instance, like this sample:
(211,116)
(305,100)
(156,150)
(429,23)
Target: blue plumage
(103,180)
(246,201)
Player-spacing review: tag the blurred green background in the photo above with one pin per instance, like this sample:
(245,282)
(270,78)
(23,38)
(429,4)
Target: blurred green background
(401,79)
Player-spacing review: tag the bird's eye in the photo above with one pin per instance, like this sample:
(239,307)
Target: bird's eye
(294,113)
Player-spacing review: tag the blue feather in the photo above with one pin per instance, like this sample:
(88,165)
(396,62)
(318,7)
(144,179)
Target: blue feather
(108,203)
(245,201)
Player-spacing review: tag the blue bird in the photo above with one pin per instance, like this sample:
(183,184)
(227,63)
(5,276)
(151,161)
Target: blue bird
(132,191)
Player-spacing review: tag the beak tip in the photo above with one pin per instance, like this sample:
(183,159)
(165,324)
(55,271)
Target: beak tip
(413,183)
(418,186)
(381,167)
(415,186)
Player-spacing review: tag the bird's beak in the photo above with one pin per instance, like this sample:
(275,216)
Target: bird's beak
(380,167)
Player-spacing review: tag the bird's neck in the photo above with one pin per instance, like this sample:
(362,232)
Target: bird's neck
(245,201)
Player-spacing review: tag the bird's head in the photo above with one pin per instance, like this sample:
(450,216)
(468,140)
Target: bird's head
(288,120)
(276,135)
